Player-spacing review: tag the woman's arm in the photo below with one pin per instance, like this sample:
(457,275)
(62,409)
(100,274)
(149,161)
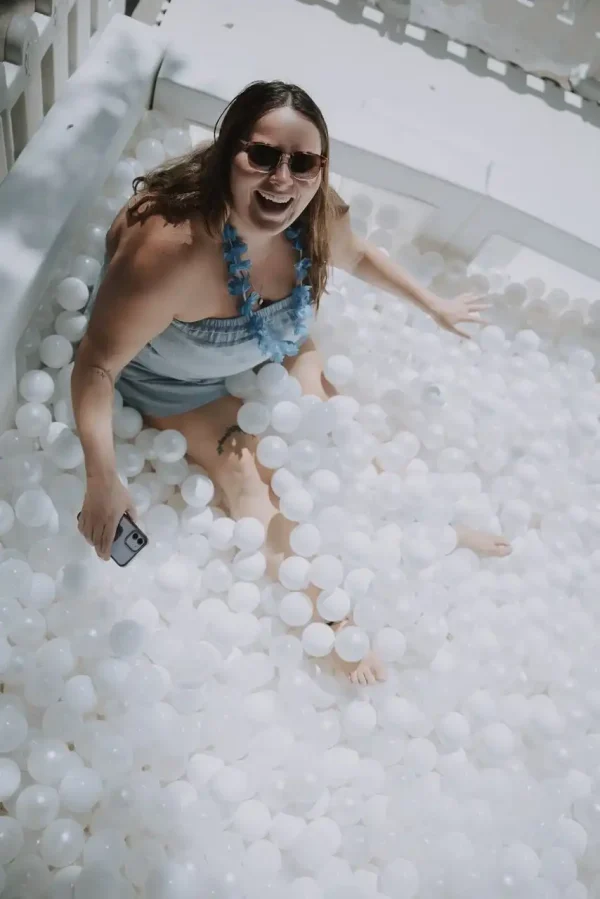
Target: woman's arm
(367,262)
(133,305)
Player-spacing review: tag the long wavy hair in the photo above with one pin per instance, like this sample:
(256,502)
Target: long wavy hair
(198,183)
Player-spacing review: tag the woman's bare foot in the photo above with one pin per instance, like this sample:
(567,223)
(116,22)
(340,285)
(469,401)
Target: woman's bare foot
(368,671)
(481,542)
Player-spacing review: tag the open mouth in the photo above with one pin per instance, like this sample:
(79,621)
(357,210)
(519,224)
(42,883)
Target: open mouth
(272,203)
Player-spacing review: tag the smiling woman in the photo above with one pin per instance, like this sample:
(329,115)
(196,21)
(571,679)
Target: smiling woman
(217,266)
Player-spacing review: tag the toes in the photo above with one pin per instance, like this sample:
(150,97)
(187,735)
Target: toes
(371,679)
(354,677)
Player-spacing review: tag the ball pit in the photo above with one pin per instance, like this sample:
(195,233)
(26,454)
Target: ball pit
(174,729)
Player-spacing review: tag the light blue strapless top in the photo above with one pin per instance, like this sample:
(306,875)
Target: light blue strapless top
(186,365)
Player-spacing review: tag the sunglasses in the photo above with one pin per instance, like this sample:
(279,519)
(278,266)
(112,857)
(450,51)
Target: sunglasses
(266,158)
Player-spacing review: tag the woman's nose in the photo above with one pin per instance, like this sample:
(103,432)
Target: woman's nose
(282,174)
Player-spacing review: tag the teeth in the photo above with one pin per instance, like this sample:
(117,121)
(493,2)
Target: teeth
(275,198)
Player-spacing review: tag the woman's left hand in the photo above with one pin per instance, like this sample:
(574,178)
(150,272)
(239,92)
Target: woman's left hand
(448,314)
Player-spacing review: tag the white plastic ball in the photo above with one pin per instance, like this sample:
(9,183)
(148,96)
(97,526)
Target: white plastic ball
(150,153)
(351,644)
(170,446)
(33,419)
(305,540)
(72,294)
(55,351)
(317,639)
(272,452)
(36,386)
(295,609)
(285,417)
(253,418)
(338,370)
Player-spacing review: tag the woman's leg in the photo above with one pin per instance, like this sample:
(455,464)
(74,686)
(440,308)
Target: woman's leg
(228,455)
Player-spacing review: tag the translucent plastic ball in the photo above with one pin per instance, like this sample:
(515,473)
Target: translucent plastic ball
(296,504)
(253,418)
(305,540)
(400,878)
(454,730)
(249,566)
(389,644)
(127,423)
(304,456)
(72,294)
(243,597)
(198,490)
(62,842)
(249,534)
(11,839)
(7,517)
(161,522)
(285,417)
(33,419)
(71,325)
(334,605)
(359,719)
(150,152)
(170,446)
(10,778)
(96,881)
(326,572)
(36,386)
(37,806)
(338,370)
(351,644)
(177,141)
(33,508)
(318,841)
(65,450)
(318,639)
(295,609)
(80,695)
(252,819)
(271,379)
(272,452)
(13,728)
(293,573)
(55,351)
(126,638)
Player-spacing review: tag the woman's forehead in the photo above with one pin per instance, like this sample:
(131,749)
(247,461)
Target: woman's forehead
(289,129)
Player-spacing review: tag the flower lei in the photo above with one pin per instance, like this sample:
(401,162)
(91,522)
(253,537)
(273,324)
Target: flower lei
(239,285)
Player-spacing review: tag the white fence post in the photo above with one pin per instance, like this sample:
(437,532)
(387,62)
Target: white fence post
(4,118)
(24,77)
(80,29)
(56,14)
(41,52)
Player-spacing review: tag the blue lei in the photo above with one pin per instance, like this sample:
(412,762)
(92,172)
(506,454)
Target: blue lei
(239,285)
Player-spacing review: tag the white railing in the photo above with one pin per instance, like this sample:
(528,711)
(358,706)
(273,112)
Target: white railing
(46,197)
(558,38)
(41,52)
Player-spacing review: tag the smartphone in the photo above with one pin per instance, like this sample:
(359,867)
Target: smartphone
(129,540)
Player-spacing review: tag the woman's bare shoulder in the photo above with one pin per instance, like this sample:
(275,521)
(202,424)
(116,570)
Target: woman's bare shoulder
(145,235)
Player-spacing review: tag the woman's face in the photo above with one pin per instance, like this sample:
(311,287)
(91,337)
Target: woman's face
(289,131)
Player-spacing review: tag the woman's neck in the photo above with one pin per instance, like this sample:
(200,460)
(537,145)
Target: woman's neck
(259,242)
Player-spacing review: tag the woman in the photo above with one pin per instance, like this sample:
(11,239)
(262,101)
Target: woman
(176,312)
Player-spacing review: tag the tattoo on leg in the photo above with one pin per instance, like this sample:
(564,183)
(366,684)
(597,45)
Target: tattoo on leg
(233,429)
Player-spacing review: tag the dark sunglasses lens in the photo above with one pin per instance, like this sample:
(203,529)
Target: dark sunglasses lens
(263,156)
(305,164)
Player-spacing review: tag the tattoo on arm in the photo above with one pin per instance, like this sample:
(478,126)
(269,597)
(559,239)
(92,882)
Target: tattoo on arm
(233,429)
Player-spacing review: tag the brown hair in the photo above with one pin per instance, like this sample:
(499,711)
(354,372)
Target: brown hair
(199,182)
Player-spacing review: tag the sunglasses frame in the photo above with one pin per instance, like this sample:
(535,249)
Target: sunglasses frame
(284,158)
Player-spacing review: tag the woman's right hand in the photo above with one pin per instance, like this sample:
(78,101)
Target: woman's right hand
(106,501)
